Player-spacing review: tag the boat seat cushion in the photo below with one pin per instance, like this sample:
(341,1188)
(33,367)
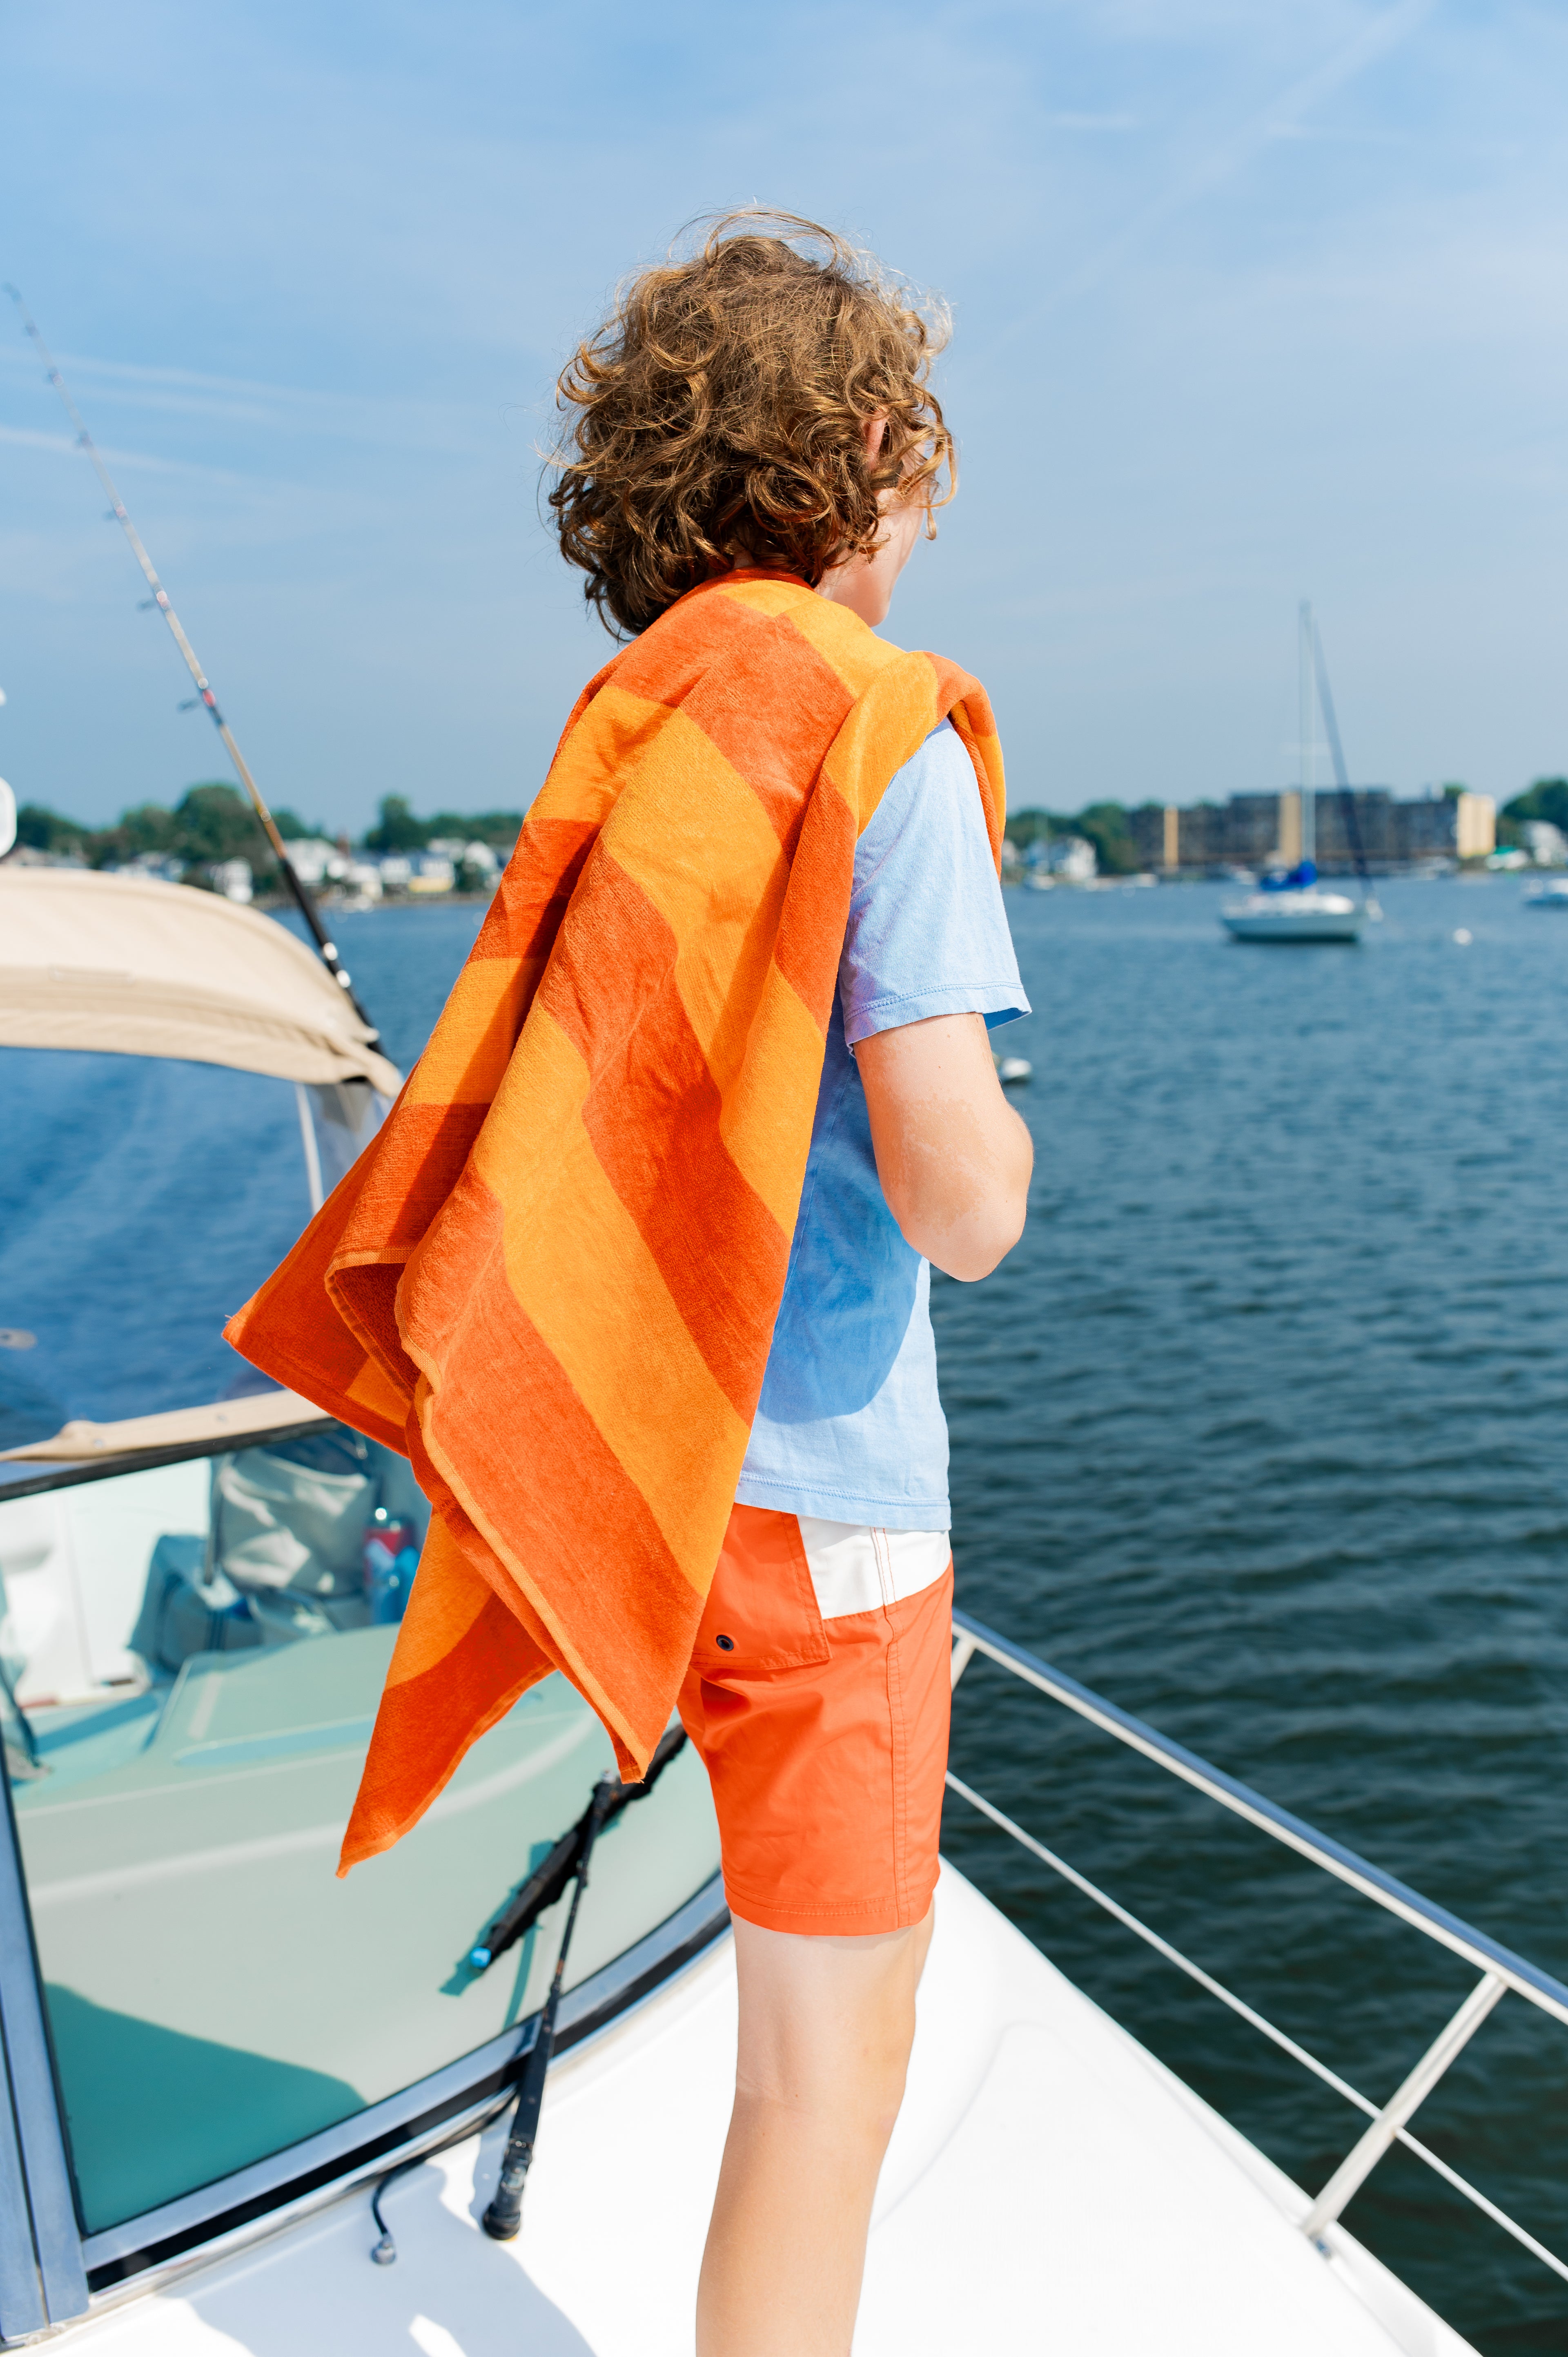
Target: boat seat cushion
(184,1613)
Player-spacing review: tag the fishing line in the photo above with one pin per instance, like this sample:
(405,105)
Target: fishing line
(204,696)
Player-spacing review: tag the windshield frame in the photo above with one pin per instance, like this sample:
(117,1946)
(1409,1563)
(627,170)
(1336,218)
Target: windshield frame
(43,2272)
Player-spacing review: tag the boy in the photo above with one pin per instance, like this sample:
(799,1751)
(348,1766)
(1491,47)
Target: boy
(764,408)
(637,1272)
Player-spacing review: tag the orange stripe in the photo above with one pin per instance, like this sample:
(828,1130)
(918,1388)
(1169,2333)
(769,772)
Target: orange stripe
(665,663)
(653,1109)
(579,1538)
(480,1557)
(769,1100)
(447,1598)
(842,640)
(887,724)
(771,668)
(425,1724)
(409,1171)
(816,905)
(469,1049)
(971,716)
(539,880)
(698,844)
(577,1263)
(286,1328)
(602,756)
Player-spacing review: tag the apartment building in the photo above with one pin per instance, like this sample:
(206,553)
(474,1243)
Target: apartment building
(1262,829)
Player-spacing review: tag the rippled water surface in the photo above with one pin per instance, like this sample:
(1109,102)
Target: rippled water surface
(1259,1431)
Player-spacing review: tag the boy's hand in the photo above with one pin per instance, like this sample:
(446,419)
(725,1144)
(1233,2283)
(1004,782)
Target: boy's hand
(953,1158)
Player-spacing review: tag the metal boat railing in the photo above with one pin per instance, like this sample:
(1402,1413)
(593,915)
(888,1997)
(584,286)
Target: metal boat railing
(1501,1970)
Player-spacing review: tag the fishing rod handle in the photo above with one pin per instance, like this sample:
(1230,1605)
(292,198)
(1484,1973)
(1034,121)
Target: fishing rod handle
(503,2215)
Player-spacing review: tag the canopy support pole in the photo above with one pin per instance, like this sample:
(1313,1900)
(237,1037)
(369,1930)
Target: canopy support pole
(312,1151)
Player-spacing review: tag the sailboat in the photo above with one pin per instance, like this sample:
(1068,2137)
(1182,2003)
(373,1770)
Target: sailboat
(1292,906)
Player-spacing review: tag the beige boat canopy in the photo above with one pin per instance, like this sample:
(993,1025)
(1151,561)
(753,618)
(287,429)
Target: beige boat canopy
(130,966)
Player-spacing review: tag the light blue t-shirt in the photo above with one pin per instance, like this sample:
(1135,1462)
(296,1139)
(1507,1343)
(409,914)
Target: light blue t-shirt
(850,1426)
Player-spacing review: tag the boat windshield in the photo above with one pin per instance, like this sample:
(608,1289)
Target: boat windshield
(190,1659)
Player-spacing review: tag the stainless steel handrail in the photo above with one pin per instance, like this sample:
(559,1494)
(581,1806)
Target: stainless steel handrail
(1501,1968)
(1400,1899)
(1258,2021)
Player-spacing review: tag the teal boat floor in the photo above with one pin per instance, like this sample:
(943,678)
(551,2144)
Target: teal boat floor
(86,1739)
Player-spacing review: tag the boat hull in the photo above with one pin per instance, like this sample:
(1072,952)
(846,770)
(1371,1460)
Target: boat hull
(1293,924)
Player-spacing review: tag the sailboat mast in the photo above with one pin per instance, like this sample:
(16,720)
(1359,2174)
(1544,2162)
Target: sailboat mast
(1308,738)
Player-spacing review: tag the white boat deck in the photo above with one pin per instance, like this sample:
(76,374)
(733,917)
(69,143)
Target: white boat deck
(1049,2186)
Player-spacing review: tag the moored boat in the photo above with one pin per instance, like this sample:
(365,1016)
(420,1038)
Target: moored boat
(1296,910)
(1290,905)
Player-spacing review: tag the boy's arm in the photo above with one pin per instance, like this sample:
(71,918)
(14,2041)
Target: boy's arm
(953,1158)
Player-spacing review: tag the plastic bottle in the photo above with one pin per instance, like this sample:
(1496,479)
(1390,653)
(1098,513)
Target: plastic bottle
(391,1559)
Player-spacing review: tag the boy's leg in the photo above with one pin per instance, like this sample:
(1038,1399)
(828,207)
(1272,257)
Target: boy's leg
(818,1697)
(825,2031)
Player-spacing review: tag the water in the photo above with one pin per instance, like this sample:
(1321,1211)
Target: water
(1259,1431)
(141,1203)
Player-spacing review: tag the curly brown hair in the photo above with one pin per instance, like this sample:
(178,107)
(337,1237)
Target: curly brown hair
(718,416)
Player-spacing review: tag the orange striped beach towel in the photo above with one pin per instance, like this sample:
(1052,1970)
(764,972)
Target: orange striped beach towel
(552,1278)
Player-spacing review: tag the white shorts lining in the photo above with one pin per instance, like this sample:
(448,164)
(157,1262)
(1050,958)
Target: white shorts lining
(860,1567)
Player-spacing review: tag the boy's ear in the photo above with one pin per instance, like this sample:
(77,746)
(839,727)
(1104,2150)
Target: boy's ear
(876,431)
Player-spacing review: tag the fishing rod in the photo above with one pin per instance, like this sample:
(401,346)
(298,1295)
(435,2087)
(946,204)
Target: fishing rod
(503,2217)
(550,1877)
(204,696)
(568,1861)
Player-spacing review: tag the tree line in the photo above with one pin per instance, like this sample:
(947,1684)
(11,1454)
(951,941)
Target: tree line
(212,821)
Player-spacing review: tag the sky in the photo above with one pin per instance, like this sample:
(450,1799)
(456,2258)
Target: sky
(1254,300)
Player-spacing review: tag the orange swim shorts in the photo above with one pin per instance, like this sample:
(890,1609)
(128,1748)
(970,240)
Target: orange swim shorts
(818,1695)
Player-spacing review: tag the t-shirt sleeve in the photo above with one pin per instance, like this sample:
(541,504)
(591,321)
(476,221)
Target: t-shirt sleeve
(927,932)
